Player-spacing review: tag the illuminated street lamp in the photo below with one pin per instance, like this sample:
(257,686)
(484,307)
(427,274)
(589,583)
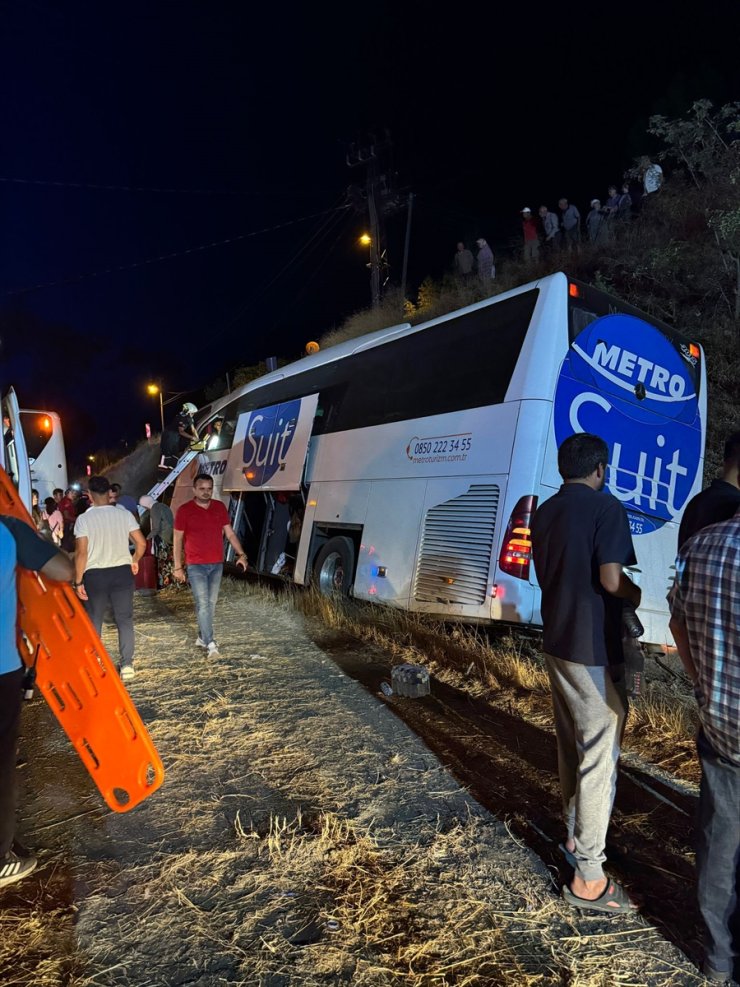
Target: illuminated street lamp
(366,240)
(154,390)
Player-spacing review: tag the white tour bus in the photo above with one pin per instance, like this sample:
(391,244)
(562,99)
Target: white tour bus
(404,466)
(33,449)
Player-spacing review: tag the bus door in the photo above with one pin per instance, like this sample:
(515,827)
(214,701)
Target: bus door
(630,383)
(268,457)
(16,454)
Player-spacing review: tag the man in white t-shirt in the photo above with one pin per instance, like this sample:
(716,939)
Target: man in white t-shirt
(105,568)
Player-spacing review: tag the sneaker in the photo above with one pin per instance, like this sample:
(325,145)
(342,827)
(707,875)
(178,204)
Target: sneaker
(213,651)
(127,673)
(15,868)
(200,643)
(717,976)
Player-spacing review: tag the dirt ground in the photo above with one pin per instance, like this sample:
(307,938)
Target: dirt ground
(306,834)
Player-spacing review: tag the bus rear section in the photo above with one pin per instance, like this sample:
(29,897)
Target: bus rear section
(641,386)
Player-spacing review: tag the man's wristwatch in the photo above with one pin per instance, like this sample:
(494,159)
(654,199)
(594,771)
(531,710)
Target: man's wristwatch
(75,585)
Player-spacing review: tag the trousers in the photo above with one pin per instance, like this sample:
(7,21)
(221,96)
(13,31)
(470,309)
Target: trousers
(718,856)
(590,709)
(205,582)
(10,717)
(114,587)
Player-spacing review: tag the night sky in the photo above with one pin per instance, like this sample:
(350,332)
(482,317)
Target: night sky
(136,131)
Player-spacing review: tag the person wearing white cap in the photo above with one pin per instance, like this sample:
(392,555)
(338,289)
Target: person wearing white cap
(531,237)
(595,221)
(178,436)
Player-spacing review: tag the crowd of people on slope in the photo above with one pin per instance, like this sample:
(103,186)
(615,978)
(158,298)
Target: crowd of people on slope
(581,544)
(550,232)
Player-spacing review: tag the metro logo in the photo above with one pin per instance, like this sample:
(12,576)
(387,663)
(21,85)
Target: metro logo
(624,380)
(660,383)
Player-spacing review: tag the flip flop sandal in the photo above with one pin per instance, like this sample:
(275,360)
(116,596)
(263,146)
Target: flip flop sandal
(568,854)
(614,900)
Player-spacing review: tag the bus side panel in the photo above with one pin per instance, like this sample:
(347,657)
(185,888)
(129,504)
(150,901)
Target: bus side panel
(333,506)
(455,562)
(213,463)
(387,553)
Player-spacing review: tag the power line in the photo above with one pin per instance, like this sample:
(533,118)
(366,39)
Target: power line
(306,249)
(127,188)
(200,248)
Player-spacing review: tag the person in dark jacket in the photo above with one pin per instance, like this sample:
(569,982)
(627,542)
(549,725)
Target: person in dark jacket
(720,500)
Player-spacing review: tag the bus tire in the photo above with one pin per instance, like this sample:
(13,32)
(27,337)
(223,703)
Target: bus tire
(334,567)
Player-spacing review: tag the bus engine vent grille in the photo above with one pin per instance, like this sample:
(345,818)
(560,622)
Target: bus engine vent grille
(456,548)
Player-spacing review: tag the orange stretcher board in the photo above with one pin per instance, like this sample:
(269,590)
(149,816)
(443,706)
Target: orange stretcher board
(79,681)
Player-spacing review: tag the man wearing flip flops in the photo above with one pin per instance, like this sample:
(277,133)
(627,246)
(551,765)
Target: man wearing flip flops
(580,542)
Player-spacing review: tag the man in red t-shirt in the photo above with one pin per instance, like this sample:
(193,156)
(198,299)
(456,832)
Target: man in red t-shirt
(201,525)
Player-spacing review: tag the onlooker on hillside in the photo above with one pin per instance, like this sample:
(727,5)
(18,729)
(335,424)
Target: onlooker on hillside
(580,542)
(19,546)
(126,501)
(611,206)
(463,262)
(531,236)
(720,500)
(570,219)
(550,228)
(484,260)
(105,569)
(200,528)
(595,221)
(705,603)
(624,207)
(652,175)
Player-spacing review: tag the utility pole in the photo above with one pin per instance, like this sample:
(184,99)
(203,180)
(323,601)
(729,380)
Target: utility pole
(372,209)
(406,244)
(367,154)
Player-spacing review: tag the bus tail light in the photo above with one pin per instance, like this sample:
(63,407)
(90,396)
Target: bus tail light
(516,551)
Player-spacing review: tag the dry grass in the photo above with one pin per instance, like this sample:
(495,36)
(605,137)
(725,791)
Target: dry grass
(506,670)
(303,836)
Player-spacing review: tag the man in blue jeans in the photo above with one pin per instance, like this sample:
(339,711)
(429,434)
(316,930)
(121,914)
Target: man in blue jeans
(200,527)
(705,623)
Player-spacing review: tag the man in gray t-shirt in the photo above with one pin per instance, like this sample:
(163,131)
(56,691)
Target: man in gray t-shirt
(105,568)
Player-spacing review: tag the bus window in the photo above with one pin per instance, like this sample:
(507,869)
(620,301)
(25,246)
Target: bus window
(37,429)
(462,362)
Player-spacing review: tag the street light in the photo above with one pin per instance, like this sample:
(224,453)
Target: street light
(153,390)
(366,240)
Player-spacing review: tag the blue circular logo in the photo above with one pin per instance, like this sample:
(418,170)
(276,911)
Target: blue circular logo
(624,380)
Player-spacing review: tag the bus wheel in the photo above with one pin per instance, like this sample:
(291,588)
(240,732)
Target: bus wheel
(333,568)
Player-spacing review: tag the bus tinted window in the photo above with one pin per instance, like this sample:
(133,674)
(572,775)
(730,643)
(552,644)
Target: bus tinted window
(37,429)
(463,362)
